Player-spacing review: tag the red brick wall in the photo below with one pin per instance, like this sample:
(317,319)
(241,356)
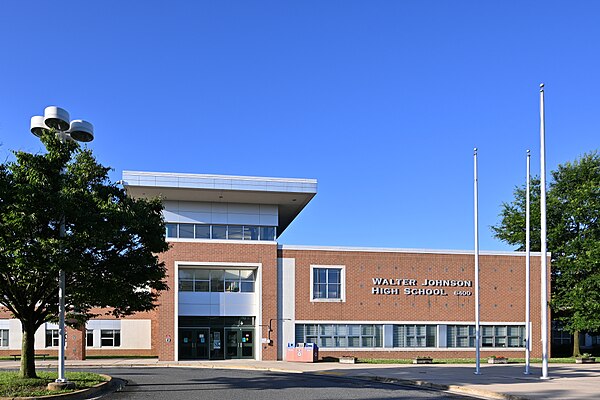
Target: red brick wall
(501,278)
(266,254)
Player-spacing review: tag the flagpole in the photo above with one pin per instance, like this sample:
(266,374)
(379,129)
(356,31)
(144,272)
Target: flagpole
(544,272)
(527,269)
(476,206)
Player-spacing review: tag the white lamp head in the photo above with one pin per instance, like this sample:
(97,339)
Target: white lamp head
(82,131)
(56,118)
(38,127)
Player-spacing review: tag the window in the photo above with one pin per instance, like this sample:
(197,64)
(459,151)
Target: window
(502,336)
(219,232)
(461,335)
(415,335)
(223,232)
(340,335)
(186,231)
(267,233)
(216,280)
(202,231)
(52,338)
(171,230)
(110,337)
(89,337)
(327,283)
(3,337)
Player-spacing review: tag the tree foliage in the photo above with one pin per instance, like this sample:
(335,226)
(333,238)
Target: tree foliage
(573,220)
(108,250)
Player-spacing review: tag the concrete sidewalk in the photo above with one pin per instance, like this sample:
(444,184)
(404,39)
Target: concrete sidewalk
(568,381)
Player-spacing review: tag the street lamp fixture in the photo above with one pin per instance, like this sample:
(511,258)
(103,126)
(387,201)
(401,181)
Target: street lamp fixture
(58,120)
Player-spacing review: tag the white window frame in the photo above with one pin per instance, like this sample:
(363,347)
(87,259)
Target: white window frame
(342,298)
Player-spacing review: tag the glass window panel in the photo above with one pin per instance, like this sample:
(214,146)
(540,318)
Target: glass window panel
(247,287)
(311,339)
(420,330)
(202,231)
(421,341)
(232,274)
(171,230)
(327,341)
(232,286)
(367,341)
(311,329)
(368,330)
(251,233)
(334,275)
(333,291)
(487,342)
(89,334)
(487,330)
(342,330)
(219,232)
(117,338)
(320,291)
(234,232)
(514,342)
(202,274)
(500,341)
(514,330)
(501,331)
(341,342)
(267,233)
(186,231)
(299,337)
(247,274)
(186,274)
(326,330)
(216,281)
(354,330)
(186,285)
(353,341)
(201,286)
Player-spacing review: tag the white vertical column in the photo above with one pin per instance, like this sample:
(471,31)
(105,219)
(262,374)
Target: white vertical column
(476,209)
(544,273)
(527,268)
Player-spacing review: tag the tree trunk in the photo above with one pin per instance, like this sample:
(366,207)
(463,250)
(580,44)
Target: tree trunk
(28,350)
(576,352)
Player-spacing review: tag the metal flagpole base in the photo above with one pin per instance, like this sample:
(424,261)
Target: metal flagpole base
(527,373)
(476,373)
(545,378)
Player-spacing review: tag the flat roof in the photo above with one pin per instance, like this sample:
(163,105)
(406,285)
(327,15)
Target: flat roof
(291,195)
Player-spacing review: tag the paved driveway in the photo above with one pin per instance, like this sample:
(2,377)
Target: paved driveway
(223,384)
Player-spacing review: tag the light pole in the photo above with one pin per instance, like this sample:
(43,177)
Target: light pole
(57,119)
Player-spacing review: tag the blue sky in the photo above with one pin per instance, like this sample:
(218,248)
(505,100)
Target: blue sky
(381,101)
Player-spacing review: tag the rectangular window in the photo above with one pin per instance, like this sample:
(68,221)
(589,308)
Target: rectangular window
(171,230)
(250,232)
(52,338)
(202,231)
(340,335)
(461,335)
(201,280)
(89,338)
(3,337)
(186,231)
(234,232)
(110,337)
(267,233)
(216,280)
(232,280)
(247,278)
(327,283)
(415,335)
(219,232)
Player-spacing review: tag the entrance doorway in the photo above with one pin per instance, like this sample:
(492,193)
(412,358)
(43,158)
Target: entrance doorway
(239,343)
(194,343)
(215,338)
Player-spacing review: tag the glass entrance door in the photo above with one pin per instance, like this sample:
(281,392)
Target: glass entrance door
(239,343)
(194,343)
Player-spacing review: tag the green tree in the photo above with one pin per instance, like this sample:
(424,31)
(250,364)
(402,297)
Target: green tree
(573,219)
(108,250)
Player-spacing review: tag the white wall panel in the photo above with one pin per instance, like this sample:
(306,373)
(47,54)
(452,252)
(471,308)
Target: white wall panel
(136,334)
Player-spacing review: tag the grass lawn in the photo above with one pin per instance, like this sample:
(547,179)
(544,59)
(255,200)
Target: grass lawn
(13,386)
